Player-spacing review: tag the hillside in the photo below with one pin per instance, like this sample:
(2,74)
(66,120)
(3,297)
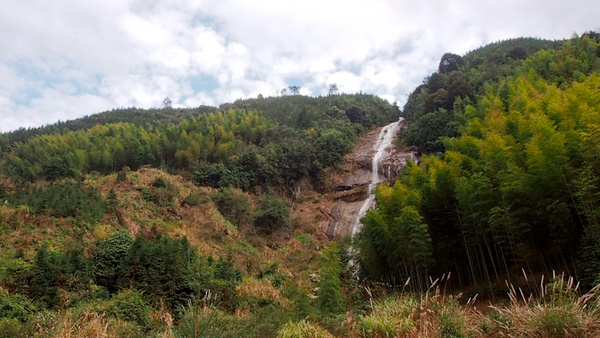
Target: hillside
(88,214)
(235,221)
(141,117)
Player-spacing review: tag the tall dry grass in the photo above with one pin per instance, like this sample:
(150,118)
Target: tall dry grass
(553,308)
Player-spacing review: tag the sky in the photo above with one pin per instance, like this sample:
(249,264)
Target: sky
(64,59)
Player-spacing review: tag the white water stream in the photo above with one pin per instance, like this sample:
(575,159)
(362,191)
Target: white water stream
(381,147)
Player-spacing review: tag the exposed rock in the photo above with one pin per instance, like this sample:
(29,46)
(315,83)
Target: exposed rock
(346,188)
(352,193)
(391,166)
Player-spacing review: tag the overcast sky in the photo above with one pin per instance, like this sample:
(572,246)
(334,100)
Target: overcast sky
(63,59)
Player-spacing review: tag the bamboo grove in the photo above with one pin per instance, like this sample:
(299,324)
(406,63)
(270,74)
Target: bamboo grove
(514,184)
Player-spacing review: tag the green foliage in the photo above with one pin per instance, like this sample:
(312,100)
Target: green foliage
(110,259)
(53,272)
(11,328)
(436,108)
(222,278)
(452,323)
(271,214)
(233,205)
(330,298)
(162,268)
(302,329)
(193,200)
(64,199)
(15,306)
(159,182)
(55,168)
(195,322)
(389,318)
(161,193)
(516,181)
(248,144)
(136,116)
(121,176)
(395,242)
(128,305)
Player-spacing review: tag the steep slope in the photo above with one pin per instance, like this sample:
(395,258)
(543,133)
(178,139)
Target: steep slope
(347,192)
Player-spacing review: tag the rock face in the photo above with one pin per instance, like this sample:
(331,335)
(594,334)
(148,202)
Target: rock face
(350,194)
(391,166)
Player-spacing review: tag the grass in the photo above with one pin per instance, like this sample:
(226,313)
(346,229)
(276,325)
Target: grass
(560,310)
(302,329)
(554,308)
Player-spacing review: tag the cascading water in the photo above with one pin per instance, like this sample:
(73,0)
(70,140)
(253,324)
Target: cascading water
(381,147)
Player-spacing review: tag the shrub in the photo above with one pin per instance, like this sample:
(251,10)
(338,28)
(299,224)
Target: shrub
(302,329)
(196,321)
(162,268)
(109,258)
(271,214)
(16,306)
(330,297)
(122,176)
(222,281)
(193,200)
(233,205)
(53,272)
(389,318)
(452,324)
(163,197)
(11,328)
(128,305)
(159,182)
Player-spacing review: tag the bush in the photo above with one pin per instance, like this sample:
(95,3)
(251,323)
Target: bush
(233,205)
(109,258)
(159,182)
(330,298)
(271,214)
(302,329)
(128,305)
(193,200)
(11,328)
(222,281)
(122,176)
(16,307)
(389,318)
(163,197)
(54,272)
(162,268)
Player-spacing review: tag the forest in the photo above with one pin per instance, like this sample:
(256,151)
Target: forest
(508,173)
(205,222)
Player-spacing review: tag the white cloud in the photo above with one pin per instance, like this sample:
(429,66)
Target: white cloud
(64,59)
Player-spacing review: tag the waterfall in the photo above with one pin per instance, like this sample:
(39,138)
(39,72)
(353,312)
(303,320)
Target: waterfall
(381,147)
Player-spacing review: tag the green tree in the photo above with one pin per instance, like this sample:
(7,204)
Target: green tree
(330,298)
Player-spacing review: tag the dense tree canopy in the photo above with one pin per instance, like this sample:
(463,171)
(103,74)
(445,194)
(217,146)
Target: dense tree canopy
(516,186)
(250,143)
